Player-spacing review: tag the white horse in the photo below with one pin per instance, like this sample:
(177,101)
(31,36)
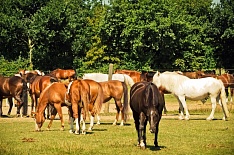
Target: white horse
(194,89)
(100,77)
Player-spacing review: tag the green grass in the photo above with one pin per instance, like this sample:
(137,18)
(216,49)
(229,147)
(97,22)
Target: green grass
(196,136)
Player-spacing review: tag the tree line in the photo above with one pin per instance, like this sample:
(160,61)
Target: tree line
(87,35)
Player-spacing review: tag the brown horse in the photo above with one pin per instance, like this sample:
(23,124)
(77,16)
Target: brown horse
(135,75)
(37,85)
(86,95)
(55,94)
(147,76)
(194,75)
(116,90)
(12,87)
(69,74)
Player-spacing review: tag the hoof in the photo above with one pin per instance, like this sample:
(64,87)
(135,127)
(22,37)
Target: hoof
(90,129)
(77,132)
(48,129)
(71,131)
(62,129)
(83,133)
(181,118)
(209,118)
(225,118)
(186,118)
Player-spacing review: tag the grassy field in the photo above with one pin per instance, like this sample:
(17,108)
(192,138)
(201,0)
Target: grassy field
(196,136)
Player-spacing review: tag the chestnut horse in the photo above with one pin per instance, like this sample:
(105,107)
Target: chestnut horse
(56,95)
(116,90)
(135,75)
(194,75)
(37,85)
(86,95)
(12,87)
(69,74)
(147,104)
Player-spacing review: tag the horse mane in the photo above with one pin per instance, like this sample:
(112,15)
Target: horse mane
(128,80)
(42,95)
(170,80)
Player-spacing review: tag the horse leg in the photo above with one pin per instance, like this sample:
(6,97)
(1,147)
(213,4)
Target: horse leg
(226,91)
(117,113)
(184,105)
(137,124)
(156,135)
(59,111)
(213,101)
(32,104)
(76,114)
(1,107)
(231,93)
(164,106)
(10,105)
(142,130)
(71,119)
(98,120)
(91,123)
(53,114)
(19,106)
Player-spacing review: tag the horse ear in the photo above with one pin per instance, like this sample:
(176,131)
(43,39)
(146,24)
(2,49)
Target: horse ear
(157,73)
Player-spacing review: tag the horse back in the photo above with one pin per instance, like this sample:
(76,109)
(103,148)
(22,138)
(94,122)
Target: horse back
(12,86)
(144,95)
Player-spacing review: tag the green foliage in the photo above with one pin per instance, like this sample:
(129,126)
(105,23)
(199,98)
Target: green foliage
(9,68)
(139,35)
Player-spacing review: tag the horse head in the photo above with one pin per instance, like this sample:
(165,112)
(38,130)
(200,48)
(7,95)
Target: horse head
(156,79)
(153,119)
(39,120)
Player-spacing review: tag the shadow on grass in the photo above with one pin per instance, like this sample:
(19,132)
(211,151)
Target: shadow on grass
(111,124)
(153,148)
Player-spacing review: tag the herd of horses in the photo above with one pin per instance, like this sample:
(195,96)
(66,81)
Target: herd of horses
(84,96)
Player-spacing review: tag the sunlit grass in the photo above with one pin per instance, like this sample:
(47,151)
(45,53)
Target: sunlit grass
(196,136)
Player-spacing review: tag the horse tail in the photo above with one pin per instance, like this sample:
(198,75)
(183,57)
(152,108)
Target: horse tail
(223,99)
(99,100)
(128,80)
(125,103)
(85,96)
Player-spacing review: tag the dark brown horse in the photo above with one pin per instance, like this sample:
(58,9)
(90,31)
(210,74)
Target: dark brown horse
(69,74)
(147,104)
(135,75)
(85,96)
(55,94)
(12,87)
(147,76)
(116,90)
